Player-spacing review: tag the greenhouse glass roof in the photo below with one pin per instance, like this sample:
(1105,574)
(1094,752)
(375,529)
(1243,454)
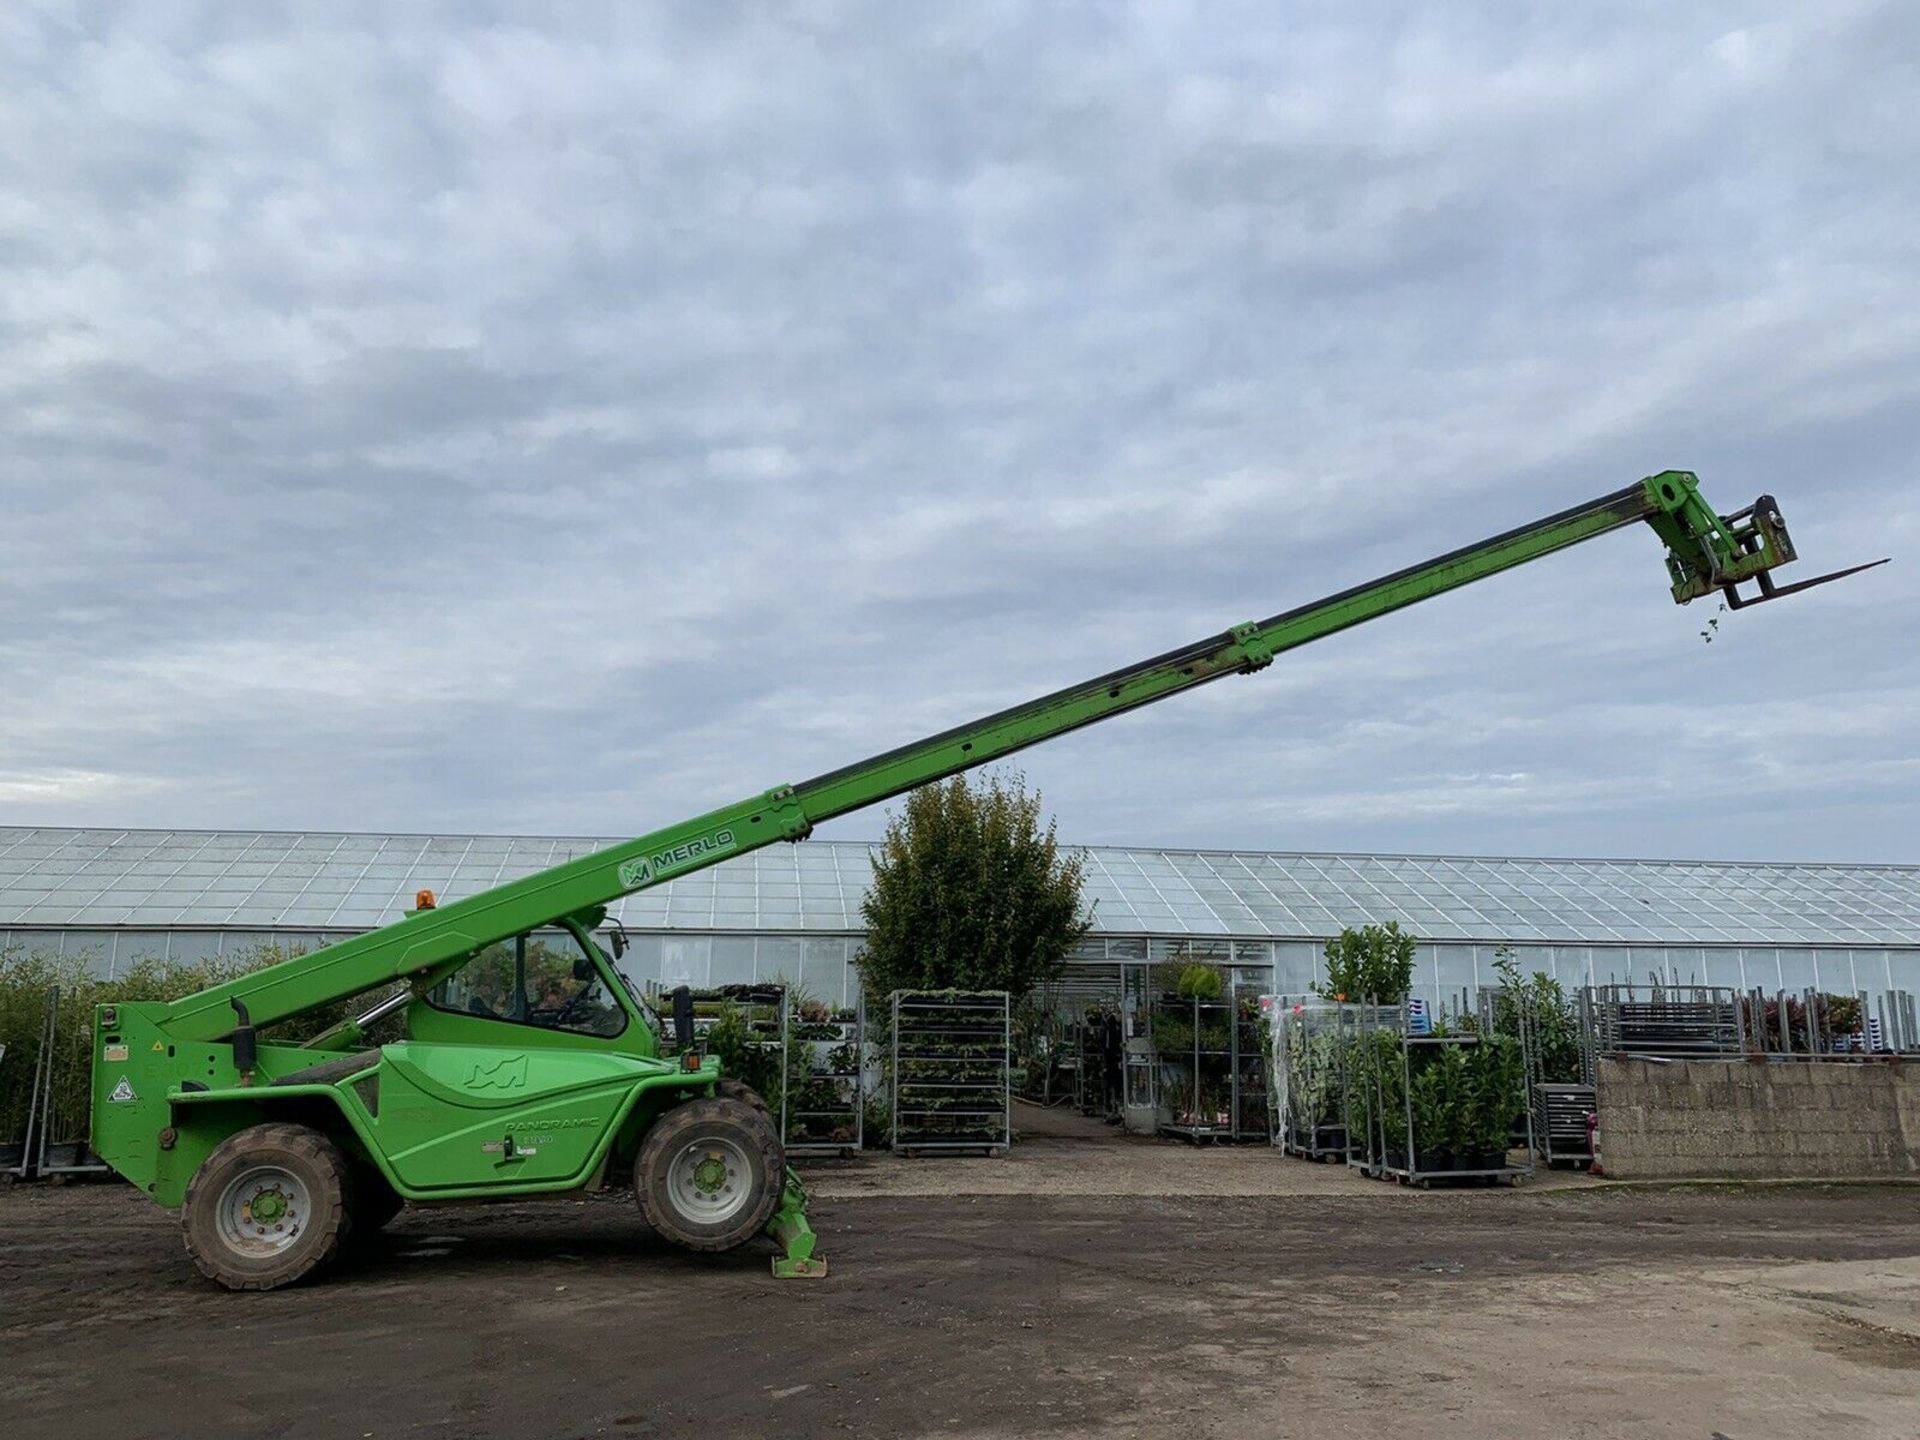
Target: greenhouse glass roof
(67,878)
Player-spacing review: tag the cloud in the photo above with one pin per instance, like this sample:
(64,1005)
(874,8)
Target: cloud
(422,421)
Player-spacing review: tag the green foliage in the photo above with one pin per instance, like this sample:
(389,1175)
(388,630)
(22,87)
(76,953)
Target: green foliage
(1200,982)
(1172,1034)
(822,1063)
(1495,1082)
(1842,1013)
(1313,1080)
(1556,1019)
(1188,978)
(1375,1070)
(946,1068)
(1373,964)
(877,1127)
(971,892)
(744,1055)
(1437,1093)
(1204,1103)
(26,977)
(1463,1098)
(1040,1045)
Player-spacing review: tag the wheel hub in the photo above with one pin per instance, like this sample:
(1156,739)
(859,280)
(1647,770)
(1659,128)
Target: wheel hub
(263,1210)
(710,1180)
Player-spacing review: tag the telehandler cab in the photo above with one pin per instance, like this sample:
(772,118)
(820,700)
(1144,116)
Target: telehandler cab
(530,1066)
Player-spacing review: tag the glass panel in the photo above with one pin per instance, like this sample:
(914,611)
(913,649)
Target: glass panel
(1296,965)
(1687,965)
(685,960)
(1454,970)
(641,963)
(540,980)
(779,959)
(1612,966)
(732,960)
(190,947)
(825,974)
(1760,969)
(1835,970)
(133,946)
(1871,970)
(1797,969)
(1903,969)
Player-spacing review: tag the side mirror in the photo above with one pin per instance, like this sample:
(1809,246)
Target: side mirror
(620,942)
(683,1019)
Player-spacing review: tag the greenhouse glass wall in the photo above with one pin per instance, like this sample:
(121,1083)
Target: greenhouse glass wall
(792,912)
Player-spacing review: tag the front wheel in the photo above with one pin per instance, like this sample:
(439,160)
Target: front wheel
(709,1174)
(727,1088)
(267,1207)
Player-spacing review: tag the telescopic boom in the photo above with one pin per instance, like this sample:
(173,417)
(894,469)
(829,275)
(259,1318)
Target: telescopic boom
(1706,552)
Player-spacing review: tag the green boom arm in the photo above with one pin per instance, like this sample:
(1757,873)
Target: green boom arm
(1705,552)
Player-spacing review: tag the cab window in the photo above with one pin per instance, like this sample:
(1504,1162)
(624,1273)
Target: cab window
(544,980)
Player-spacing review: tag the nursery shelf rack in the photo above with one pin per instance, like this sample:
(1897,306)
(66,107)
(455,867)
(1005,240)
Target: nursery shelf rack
(951,1074)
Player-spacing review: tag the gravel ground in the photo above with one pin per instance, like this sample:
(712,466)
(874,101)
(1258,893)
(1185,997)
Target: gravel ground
(1357,1310)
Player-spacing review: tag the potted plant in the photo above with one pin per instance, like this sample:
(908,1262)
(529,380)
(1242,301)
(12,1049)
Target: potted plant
(1494,1083)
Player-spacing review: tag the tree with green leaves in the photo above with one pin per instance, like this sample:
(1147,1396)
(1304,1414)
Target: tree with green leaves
(971,892)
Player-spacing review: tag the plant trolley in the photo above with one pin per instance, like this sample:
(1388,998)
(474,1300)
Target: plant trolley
(1312,1041)
(1440,1104)
(951,1072)
(826,1091)
(1193,1039)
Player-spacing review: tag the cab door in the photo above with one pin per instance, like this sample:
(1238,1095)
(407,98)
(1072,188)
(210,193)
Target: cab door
(455,1116)
(514,1071)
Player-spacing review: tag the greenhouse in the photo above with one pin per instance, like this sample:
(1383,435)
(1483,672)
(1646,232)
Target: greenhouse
(792,913)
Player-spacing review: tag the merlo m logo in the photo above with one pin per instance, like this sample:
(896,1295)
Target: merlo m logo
(508,1073)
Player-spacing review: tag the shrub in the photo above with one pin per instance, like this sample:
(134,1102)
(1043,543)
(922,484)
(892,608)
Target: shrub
(1373,964)
(1556,1020)
(26,977)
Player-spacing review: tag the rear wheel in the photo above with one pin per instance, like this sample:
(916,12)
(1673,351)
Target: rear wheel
(709,1174)
(267,1207)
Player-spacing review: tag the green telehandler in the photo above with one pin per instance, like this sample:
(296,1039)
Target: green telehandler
(531,1067)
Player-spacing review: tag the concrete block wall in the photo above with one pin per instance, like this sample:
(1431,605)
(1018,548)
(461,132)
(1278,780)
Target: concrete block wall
(1756,1119)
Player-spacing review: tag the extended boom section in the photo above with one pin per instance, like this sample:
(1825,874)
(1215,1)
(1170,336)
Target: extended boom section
(1705,552)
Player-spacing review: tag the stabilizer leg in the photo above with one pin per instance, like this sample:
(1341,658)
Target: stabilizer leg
(790,1228)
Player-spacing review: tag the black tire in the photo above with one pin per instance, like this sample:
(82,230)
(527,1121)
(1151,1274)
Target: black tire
(709,1174)
(305,1176)
(727,1088)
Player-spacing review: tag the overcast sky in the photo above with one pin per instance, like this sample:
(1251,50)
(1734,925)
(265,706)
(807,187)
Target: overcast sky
(413,420)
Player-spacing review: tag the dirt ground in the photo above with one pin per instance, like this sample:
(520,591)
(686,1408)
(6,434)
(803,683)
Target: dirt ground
(1114,1305)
